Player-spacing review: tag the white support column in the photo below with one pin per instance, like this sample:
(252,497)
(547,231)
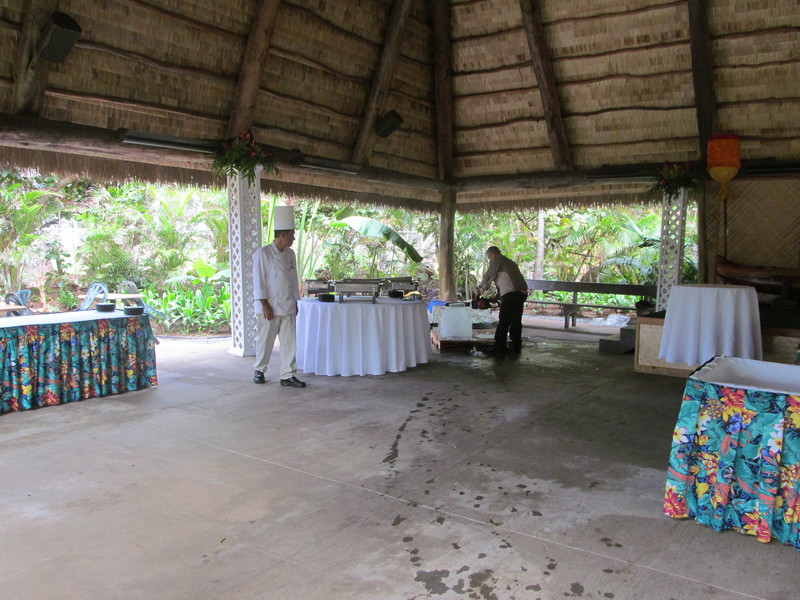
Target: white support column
(670,260)
(244,238)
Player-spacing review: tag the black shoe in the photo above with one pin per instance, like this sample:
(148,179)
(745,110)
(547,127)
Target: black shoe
(258,377)
(293,382)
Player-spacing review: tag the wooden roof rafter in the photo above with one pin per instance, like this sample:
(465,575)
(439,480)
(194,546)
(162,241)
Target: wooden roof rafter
(702,71)
(252,69)
(379,90)
(548,87)
(30,73)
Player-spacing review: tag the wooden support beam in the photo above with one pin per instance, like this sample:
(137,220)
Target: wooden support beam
(376,100)
(252,69)
(17,131)
(443,83)
(36,134)
(702,71)
(548,88)
(447,274)
(30,73)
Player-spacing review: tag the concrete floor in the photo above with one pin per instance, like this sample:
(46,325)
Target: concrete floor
(465,478)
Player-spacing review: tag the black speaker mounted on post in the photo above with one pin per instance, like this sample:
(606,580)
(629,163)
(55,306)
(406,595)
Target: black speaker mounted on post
(386,124)
(58,37)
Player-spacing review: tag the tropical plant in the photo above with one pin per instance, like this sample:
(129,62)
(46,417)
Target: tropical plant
(214,225)
(308,242)
(172,223)
(105,257)
(197,302)
(468,251)
(636,255)
(67,300)
(370,228)
(28,207)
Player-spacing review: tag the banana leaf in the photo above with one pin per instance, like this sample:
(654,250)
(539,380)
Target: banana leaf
(376,229)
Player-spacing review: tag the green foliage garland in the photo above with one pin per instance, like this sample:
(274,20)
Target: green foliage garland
(671,178)
(242,154)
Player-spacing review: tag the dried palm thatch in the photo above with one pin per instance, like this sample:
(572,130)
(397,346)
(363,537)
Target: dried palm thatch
(508,89)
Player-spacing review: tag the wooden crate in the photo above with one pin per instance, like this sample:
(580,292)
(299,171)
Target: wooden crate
(481,338)
(779,346)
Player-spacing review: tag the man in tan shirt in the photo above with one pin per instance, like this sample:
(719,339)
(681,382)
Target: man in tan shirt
(513,290)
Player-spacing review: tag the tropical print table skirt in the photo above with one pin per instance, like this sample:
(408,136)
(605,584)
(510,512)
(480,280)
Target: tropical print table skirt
(49,364)
(735,461)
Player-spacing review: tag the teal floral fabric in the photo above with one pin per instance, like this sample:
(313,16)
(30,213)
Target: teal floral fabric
(49,364)
(735,461)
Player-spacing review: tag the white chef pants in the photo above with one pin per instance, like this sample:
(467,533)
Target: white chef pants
(284,328)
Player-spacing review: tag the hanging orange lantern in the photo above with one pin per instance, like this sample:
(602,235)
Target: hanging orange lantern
(723,161)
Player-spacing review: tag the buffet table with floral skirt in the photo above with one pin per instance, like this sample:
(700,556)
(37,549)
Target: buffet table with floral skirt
(735,458)
(64,357)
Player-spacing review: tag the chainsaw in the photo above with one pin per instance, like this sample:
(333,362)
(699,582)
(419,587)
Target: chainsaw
(482,303)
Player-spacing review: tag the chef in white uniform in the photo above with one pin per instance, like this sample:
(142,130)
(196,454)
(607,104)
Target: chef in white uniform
(275,290)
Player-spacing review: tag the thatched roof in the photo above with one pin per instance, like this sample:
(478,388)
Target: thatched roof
(507,101)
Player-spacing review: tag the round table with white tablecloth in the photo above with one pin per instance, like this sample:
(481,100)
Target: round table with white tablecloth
(706,320)
(357,337)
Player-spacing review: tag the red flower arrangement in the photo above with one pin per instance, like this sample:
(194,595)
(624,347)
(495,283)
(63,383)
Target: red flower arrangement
(242,154)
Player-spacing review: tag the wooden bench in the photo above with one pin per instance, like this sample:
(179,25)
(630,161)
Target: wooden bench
(571,309)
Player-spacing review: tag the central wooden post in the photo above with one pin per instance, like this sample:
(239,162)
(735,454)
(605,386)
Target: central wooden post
(447,276)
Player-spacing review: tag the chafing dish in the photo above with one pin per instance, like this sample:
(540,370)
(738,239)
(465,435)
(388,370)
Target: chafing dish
(317,286)
(404,284)
(357,289)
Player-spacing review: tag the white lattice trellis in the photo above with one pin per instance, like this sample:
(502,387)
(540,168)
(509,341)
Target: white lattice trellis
(244,238)
(673,229)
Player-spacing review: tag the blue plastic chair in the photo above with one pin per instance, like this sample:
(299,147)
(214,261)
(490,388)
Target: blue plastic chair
(97,291)
(14,298)
(24,295)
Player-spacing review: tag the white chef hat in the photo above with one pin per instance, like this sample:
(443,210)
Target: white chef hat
(283,218)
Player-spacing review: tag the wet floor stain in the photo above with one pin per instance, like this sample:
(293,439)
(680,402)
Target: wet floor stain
(433,581)
(394,452)
(478,585)
(610,543)
(576,589)
(484,583)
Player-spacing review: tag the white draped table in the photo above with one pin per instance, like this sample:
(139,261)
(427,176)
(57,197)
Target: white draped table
(706,320)
(361,338)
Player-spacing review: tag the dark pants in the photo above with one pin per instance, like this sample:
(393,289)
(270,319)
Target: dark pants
(511,306)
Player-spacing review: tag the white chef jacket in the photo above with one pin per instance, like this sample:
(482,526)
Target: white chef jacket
(275,279)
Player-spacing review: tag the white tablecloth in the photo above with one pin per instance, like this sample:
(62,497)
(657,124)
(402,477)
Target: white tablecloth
(706,320)
(61,317)
(726,371)
(361,338)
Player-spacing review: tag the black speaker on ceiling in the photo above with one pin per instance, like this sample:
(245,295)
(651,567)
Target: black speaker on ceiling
(58,37)
(386,124)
